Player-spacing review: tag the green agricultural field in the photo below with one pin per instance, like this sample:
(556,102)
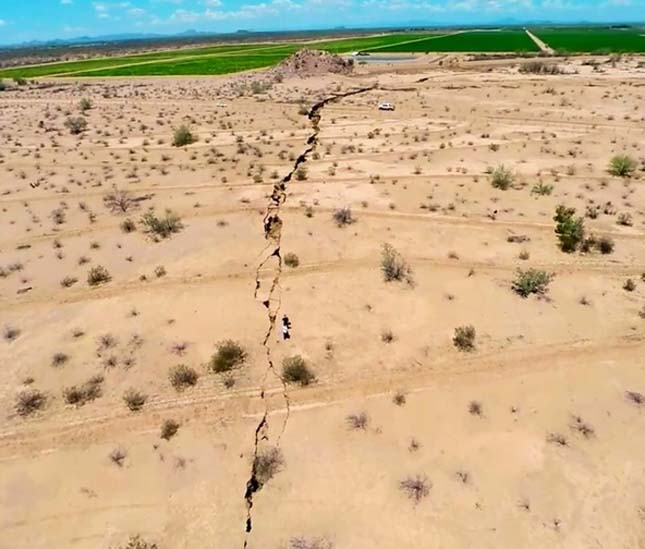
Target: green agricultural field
(365,43)
(593,40)
(202,65)
(87,67)
(470,41)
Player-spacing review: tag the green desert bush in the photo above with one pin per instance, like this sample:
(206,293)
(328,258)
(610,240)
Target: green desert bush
(182,136)
(569,229)
(622,165)
(161,227)
(501,178)
(229,355)
(296,370)
(76,124)
(531,281)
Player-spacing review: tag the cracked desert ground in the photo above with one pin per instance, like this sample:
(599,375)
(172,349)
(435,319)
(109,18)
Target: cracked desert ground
(536,438)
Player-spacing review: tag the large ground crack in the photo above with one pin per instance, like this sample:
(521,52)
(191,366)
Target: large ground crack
(271,297)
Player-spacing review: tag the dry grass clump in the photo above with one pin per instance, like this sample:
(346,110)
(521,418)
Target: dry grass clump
(344,216)
(30,401)
(117,456)
(309,543)
(169,429)
(531,281)
(98,275)
(76,124)
(118,201)
(394,267)
(182,376)
(416,488)
(134,400)
(10,333)
(79,395)
(540,67)
(161,227)
(464,338)
(635,397)
(291,260)
(296,370)
(267,464)
(358,421)
(229,355)
(137,542)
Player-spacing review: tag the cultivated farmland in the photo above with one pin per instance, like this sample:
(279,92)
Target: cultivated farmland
(593,40)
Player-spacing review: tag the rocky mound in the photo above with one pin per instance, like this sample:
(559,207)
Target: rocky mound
(307,62)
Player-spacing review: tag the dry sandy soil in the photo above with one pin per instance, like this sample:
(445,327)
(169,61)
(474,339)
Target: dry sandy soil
(531,439)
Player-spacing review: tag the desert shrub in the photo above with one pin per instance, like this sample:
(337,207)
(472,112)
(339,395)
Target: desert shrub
(229,355)
(569,229)
(134,400)
(605,245)
(85,104)
(387,336)
(343,216)
(160,271)
(79,395)
(98,275)
(416,488)
(161,227)
(182,136)
(625,219)
(137,542)
(475,408)
(295,370)
(579,425)
(501,178)
(169,429)
(309,543)
(531,281)
(118,201)
(635,397)
(464,338)
(59,359)
(539,67)
(542,189)
(357,421)
(629,285)
(399,398)
(394,267)
(557,438)
(10,333)
(301,173)
(3,86)
(622,165)
(68,281)
(128,226)
(182,376)
(30,401)
(291,260)
(76,124)
(267,464)
(117,456)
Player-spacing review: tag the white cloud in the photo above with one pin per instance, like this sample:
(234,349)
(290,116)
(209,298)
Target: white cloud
(66,2)
(2,22)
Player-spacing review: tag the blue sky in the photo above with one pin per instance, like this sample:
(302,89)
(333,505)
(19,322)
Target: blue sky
(22,20)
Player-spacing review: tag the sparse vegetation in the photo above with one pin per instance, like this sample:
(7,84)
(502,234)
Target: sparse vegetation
(183,136)
(296,370)
(134,400)
(10,333)
(569,229)
(79,395)
(416,488)
(291,260)
(464,338)
(343,216)
(161,227)
(357,421)
(30,401)
(267,464)
(85,104)
(137,542)
(119,201)
(76,125)
(501,178)
(531,281)
(475,408)
(169,429)
(622,165)
(229,355)
(540,67)
(98,275)
(182,376)
(394,267)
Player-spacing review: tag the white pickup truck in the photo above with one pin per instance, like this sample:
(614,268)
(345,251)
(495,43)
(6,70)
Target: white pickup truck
(385,106)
